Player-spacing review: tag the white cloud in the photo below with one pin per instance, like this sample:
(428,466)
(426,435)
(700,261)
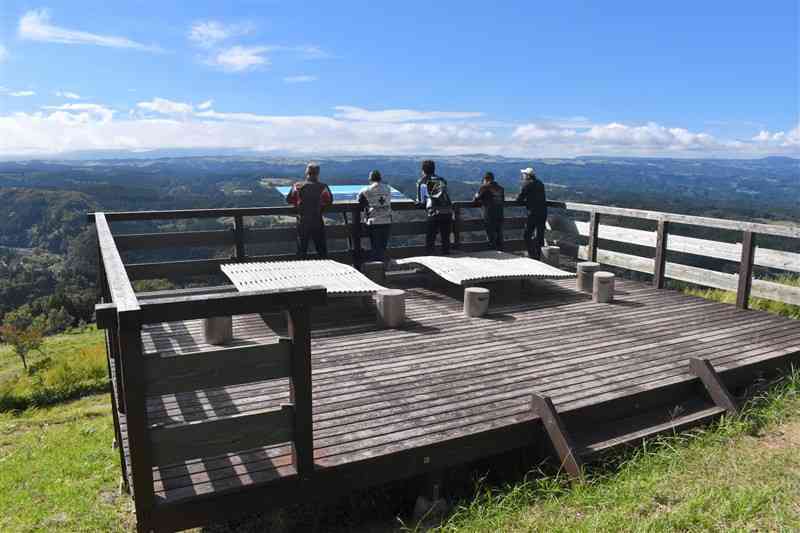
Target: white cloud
(208,33)
(166,107)
(21,93)
(400,115)
(240,58)
(35,25)
(304,78)
(69,95)
(3,53)
(161,123)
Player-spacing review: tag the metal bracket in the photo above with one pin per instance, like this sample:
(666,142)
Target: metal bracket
(703,369)
(557,431)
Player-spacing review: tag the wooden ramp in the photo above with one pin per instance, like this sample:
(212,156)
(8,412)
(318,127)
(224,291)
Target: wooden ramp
(384,400)
(482,267)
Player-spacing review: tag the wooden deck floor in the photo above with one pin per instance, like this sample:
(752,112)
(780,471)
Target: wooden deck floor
(444,376)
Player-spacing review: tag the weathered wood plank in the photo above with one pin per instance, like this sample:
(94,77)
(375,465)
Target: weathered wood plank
(142,241)
(225,304)
(122,294)
(177,443)
(217,368)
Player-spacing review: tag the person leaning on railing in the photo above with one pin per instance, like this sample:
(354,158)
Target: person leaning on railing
(432,194)
(376,202)
(490,197)
(533,197)
(310,198)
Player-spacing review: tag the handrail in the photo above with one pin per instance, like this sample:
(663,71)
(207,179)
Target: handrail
(791,231)
(119,286)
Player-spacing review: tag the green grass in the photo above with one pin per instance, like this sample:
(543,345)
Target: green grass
(68,366)
(728,297)
(58,471)
(741,475)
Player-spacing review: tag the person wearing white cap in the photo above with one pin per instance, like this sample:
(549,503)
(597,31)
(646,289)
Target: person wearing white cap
(533,197)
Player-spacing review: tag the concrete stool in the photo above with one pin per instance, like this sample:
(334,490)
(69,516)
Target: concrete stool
(551,255)
(476,301)
(218,329)
(391,307)
(586,272)
(603,290)
(375,270)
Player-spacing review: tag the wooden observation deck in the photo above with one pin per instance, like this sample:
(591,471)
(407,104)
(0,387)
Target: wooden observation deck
(312,398)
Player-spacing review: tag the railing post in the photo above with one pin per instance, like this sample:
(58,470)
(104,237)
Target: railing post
(355,232)
(238,235)
(745,270)
(457,227)
(130,342)
(594,229)
(661,254)
(299,322)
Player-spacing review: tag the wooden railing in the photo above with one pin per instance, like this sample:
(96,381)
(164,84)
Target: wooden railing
(136,375)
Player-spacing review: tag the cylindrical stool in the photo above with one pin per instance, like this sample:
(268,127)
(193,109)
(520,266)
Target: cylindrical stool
(585,272)
(476,301)
(391,307)
(375,270)
(218,329)
(603,290)
(551,255)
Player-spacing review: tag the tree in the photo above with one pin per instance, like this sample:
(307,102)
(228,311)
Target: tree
(23,339)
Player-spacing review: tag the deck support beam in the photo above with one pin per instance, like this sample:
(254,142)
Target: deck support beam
(594,237)
(299,325)
(661,254)
(559,436)
(703,369)
(746,270)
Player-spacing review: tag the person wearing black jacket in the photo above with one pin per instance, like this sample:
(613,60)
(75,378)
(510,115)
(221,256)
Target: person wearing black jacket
(310,198)
(533,197)
(491,197)
(432,194)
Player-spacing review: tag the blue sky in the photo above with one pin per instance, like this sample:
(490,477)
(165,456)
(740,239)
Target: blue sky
(543,79)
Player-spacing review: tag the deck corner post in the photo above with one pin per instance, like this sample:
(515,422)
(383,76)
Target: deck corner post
(238,235)
(299,325)
(703,369)
(457,222)
(132,359)
(745,270)
(543,407)
(355,237)
(594,238)
(659,272)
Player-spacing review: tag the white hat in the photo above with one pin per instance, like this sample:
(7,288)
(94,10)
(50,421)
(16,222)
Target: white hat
(529,171)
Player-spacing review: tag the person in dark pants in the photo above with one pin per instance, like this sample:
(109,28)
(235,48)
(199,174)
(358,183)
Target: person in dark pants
(491,197)
(310,198)
(533,197)
(432,193)
(376,202)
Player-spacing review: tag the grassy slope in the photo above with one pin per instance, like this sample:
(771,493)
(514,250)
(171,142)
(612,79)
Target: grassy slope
(742,475)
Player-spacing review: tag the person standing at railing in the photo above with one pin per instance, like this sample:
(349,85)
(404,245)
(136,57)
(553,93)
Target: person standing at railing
(490,197)
(310,198)
(376,202)
(533,197)
(432,194)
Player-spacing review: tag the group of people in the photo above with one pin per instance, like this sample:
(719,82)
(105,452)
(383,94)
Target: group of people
(310,197)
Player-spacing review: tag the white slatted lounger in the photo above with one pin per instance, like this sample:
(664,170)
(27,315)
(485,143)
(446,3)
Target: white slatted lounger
(468,269)
(340,280)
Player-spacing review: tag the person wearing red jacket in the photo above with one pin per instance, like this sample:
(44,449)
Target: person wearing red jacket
(310,198)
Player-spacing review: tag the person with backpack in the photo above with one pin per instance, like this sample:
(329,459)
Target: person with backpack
(310,198)
(533,197)
(376,202)
(432,194)
(490,197)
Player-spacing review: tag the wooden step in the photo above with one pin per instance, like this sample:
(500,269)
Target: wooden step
(634,437)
